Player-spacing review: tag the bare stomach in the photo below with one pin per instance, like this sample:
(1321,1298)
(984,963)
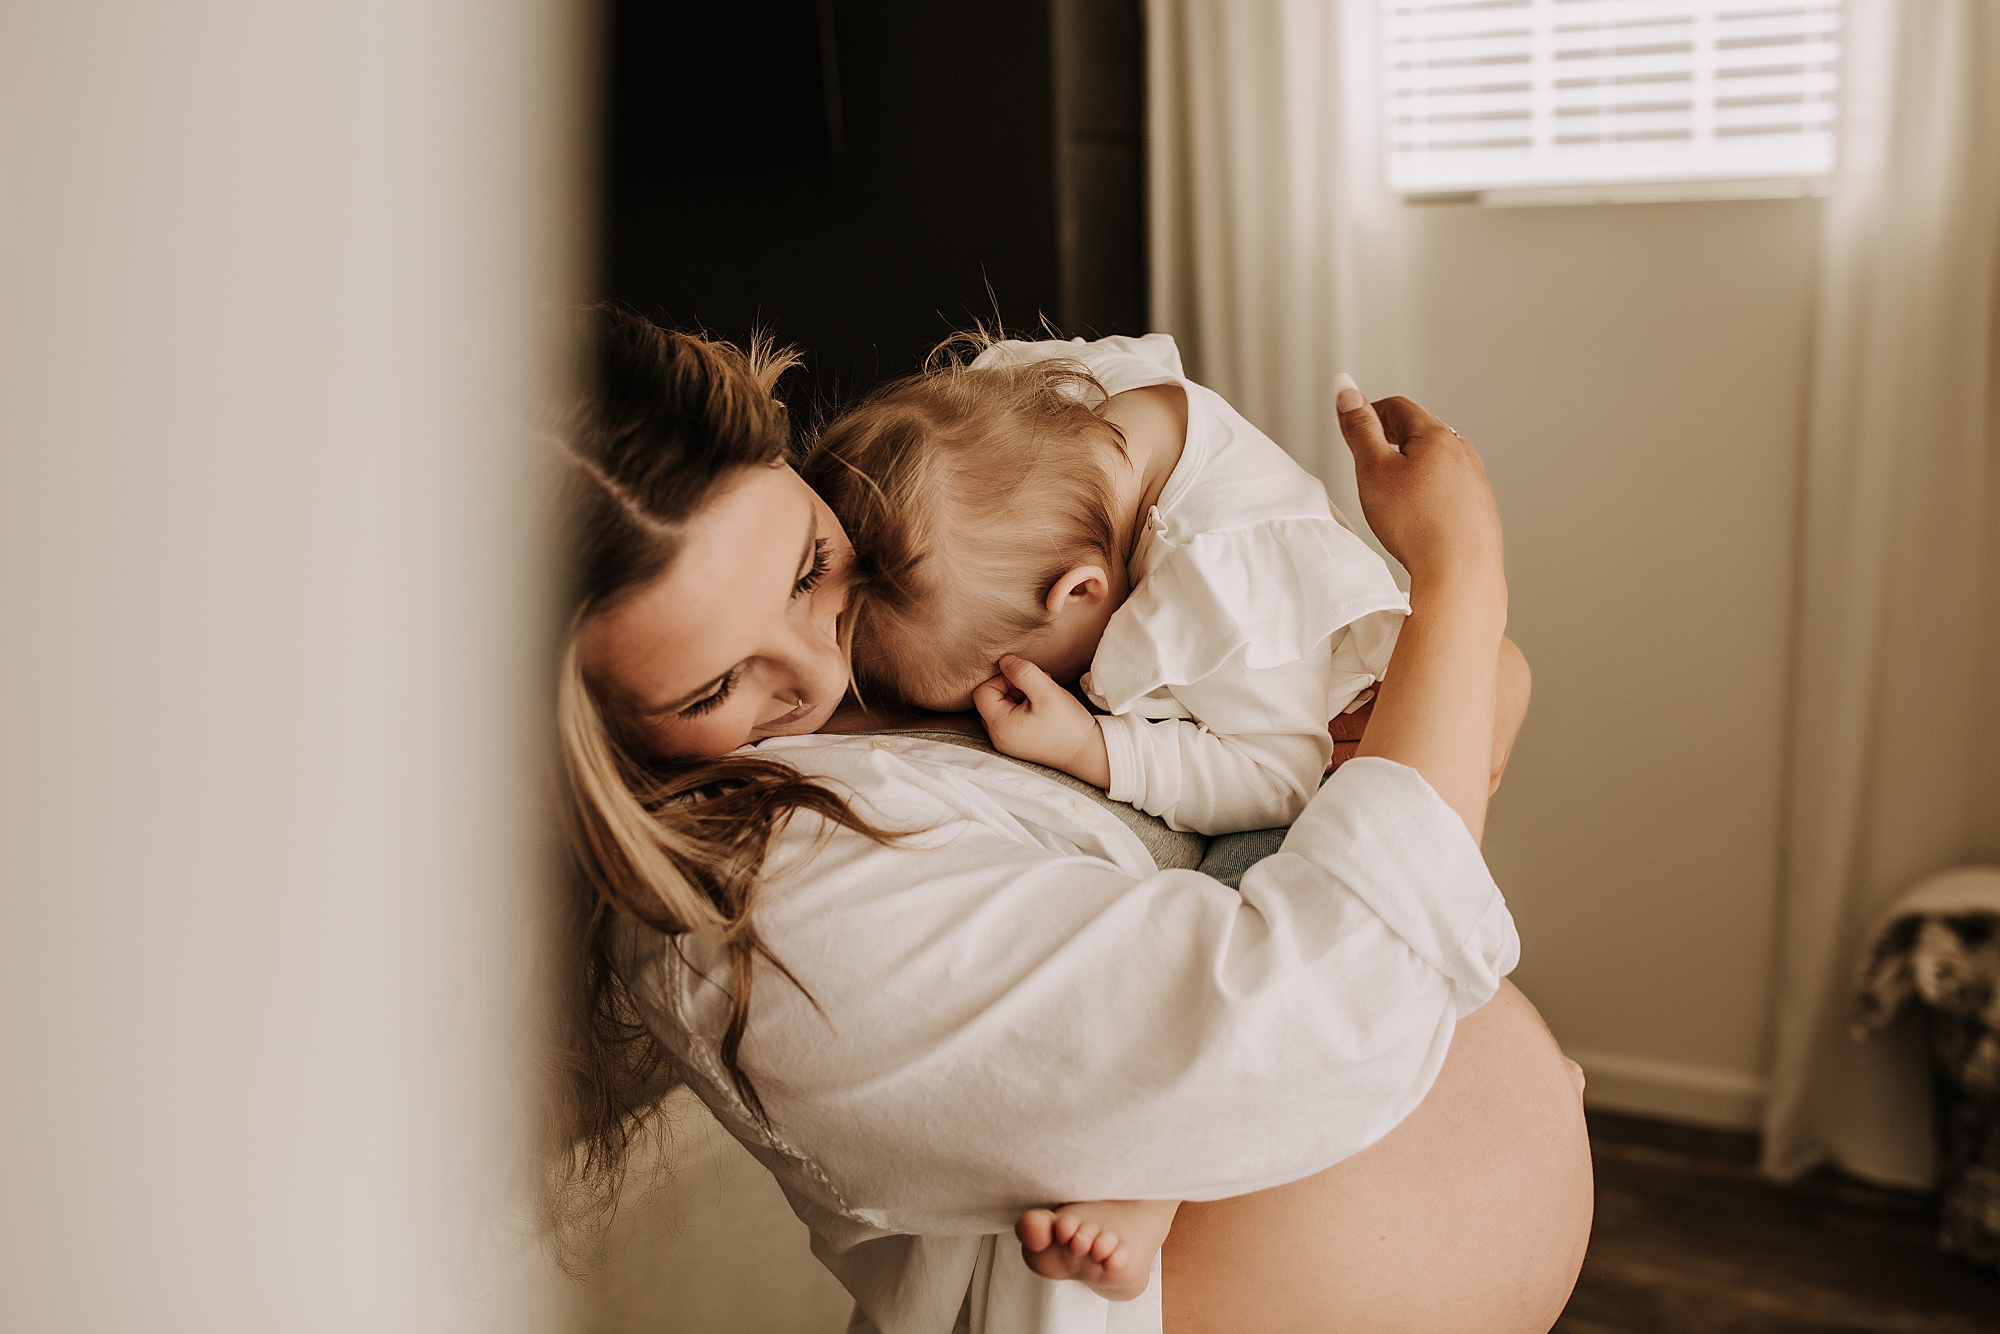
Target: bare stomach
(1471,1216)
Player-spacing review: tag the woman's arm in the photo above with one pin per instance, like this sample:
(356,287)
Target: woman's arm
(1512,689)
(1425,493)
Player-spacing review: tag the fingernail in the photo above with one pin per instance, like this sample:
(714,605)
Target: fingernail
(1348,395)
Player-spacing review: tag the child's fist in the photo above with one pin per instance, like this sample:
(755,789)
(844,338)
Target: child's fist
(1032,718)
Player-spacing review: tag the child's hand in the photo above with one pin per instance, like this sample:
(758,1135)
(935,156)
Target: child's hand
(1032,718)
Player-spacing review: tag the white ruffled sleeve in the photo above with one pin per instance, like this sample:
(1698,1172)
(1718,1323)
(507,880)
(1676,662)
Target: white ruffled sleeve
(1252,762)
(1224,667)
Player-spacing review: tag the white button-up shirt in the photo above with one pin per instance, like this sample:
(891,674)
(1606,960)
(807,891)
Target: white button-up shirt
(1012,1007)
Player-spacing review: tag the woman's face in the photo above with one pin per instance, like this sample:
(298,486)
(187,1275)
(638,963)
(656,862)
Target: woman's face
(739,638)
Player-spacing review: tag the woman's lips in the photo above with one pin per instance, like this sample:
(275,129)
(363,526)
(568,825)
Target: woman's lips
(788,719)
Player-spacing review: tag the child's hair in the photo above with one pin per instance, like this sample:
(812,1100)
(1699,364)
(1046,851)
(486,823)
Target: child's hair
(967,491)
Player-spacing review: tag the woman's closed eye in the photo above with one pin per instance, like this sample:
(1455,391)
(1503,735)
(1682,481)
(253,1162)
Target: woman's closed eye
(715,698)
(806,583)
(821,562)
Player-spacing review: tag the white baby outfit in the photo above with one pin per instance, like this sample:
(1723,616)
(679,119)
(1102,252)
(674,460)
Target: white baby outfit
(939,1079)
(1255,616)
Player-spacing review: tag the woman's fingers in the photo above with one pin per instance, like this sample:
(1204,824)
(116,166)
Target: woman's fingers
(1359,425)
(1350,726)
(1405,420)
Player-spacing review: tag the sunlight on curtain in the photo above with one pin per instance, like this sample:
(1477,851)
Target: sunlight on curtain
(1273,255)
(1893,723)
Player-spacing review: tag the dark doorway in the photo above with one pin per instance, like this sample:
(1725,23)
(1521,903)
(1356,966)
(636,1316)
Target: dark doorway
(860,177)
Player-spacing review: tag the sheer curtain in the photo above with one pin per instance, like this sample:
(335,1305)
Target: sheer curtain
(1271,244)
(1894,729)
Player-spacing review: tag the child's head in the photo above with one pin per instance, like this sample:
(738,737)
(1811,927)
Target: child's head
(981,503)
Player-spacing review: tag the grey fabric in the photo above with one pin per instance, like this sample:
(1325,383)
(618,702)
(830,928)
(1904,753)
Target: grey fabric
(1230,855)
(1172,849)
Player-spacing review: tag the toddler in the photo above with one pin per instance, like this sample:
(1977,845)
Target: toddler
(1056,512)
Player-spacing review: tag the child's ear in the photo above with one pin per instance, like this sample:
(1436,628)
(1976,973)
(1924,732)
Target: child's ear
(1086,584)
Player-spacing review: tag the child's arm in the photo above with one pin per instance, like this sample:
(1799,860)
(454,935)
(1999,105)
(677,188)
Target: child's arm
(1253,764)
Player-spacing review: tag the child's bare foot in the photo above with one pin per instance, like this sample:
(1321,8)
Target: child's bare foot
(1108,1244)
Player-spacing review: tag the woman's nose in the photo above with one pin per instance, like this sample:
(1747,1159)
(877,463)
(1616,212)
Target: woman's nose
(812,652)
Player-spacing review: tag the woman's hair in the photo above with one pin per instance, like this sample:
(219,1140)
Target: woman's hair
(968,492)
(666,422)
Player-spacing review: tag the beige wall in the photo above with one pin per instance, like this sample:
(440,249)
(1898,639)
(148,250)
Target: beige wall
(705,1243)
(1634,376)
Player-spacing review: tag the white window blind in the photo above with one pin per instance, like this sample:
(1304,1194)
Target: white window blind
(1500,94)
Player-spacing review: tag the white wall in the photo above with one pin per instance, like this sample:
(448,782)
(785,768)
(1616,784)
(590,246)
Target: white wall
(1634,376)
(272,280)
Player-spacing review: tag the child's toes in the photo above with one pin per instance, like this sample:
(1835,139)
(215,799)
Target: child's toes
(1086,1236)
(1036,1229)
(1063,1228)
(1104,1247)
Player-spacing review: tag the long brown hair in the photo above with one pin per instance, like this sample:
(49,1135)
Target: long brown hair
(667,420)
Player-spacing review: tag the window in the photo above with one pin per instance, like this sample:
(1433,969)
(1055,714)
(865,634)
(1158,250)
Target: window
(1662,95)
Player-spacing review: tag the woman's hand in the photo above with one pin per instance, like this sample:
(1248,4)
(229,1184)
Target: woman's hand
(1423,488)
(1346,729)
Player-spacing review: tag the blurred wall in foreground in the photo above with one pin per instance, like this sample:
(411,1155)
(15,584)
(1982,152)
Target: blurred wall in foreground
(274,282)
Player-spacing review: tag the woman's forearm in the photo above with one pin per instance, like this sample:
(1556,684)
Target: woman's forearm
(1435,709)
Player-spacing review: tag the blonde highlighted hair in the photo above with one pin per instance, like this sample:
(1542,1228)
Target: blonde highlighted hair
(668,421)
(968,491)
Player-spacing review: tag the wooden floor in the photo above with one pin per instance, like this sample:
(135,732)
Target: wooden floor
(1690,1240)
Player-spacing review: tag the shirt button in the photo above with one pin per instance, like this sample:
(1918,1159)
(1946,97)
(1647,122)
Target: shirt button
(1086,808)
(884,743)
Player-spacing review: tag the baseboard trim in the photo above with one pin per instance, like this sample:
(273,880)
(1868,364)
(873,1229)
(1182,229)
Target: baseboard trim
(1669,1090)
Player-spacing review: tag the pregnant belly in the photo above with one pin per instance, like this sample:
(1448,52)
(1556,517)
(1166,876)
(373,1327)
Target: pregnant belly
(1470,1216)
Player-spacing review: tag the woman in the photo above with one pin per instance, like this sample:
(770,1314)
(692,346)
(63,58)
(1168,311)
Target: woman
(929,988)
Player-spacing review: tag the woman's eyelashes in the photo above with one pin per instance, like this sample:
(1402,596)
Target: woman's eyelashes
(806,583)
(715,698)
(821,563)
